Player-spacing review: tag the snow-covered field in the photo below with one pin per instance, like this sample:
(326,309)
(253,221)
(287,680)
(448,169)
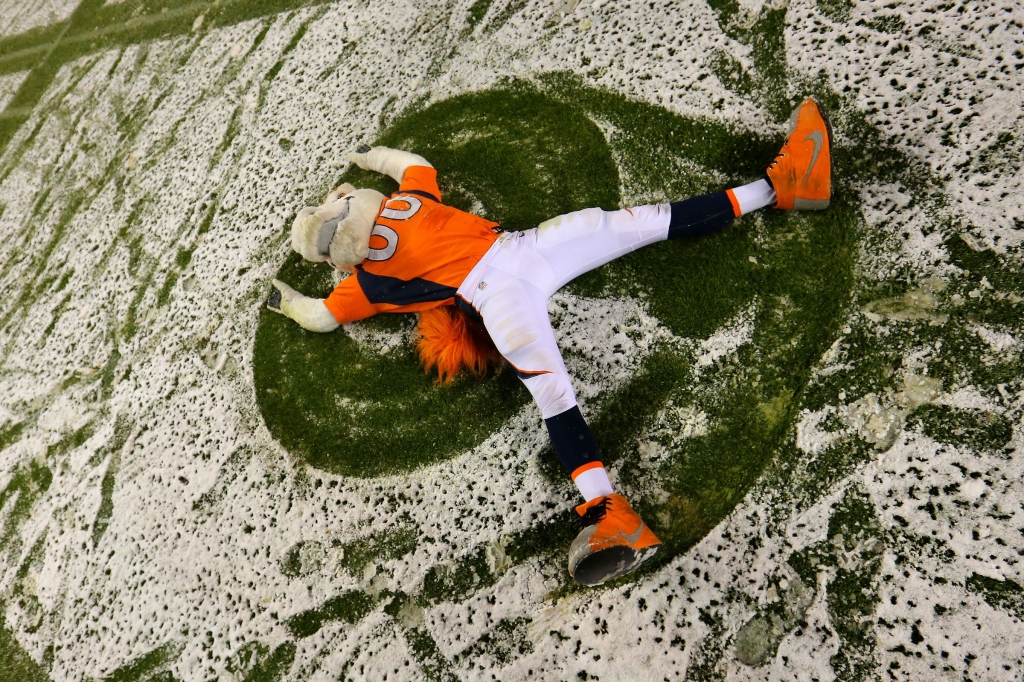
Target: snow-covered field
(151,524)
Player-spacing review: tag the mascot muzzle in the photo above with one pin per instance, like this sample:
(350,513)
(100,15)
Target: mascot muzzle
(339,230)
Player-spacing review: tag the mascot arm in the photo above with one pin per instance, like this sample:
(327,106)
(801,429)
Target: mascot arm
(310,313)
(388,161)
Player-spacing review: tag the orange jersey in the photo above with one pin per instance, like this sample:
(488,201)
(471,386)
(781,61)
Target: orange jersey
(420,252)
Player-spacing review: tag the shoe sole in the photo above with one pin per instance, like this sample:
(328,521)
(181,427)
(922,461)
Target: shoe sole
(614,562)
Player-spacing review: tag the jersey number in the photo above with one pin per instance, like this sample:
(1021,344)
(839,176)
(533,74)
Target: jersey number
(399,208)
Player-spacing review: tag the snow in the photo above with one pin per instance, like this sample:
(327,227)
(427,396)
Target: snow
(18,16)
(170,568)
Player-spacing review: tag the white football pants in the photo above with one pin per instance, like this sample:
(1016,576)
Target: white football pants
(511,284)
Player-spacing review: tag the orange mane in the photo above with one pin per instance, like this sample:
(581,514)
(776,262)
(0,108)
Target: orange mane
(451,342)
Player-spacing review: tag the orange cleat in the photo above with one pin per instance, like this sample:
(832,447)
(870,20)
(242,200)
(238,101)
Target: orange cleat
(614,541)
(802,170)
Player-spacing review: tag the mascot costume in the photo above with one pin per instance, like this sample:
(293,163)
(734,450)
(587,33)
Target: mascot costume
(482,293)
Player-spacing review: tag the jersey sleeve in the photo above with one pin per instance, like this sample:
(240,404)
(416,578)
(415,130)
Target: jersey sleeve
(421,179)
(348,303)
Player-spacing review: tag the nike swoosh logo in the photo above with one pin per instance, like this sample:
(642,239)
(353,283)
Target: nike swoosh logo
(634,536)
(818,139)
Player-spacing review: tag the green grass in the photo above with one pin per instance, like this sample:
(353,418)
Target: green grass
(1005,595)
(149,667)
(349,607)
(29,482)
(973,429)
(15,664)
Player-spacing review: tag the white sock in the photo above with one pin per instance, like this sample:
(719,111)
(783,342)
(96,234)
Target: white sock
(751,197)
(592,480)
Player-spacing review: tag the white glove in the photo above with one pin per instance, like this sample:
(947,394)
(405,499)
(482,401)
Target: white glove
(310,313)
(387,161)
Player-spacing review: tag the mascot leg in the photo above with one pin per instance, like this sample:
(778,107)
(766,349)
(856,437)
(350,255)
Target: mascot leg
(510,288)
(613,540)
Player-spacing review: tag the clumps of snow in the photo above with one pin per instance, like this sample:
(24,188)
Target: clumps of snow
(949,100)
(915,305)
(811,436)
(878,419)
(497,559)
(875,422)
(381,341)
(1005,347)
(726,341)
(759,638)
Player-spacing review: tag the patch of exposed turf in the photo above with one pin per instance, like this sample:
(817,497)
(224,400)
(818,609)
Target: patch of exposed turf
(765,35)
(501,17)
(10,434)
(380,547)
(306,557)
(106,510)
(965,428)
(275,666)
(34,282)
(446,582)
(255,662)
(432,662)
(149,667)
(349,607)
(30,482)
(836,10)
(853,551)
(1000,594)
(477,11)
(15,664)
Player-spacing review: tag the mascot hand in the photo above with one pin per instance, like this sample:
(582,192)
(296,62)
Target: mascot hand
(388,161)
(310,313)
(281,296)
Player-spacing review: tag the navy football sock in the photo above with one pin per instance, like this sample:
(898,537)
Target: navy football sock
(572,439)
(701,215)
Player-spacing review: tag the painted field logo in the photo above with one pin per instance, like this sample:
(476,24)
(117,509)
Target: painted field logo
(357,404)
